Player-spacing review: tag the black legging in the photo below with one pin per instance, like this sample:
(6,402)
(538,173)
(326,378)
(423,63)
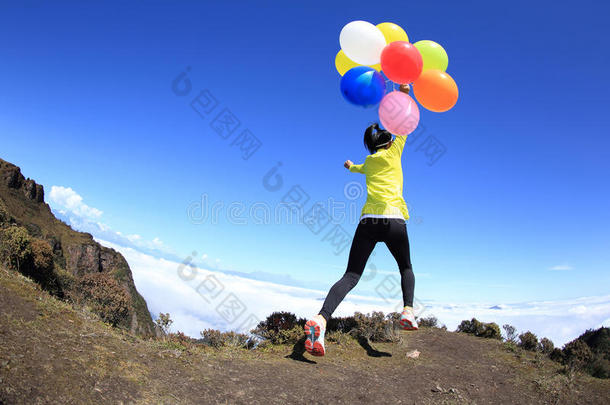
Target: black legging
(393,232)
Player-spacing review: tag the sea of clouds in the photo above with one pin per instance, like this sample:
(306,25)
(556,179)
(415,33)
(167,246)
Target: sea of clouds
(198,299)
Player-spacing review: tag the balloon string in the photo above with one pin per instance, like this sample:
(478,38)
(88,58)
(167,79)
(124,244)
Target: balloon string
(391,87)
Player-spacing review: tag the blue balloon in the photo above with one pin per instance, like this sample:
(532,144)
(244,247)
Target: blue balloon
(363,86)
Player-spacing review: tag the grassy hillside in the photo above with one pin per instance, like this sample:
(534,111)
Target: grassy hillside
(53,353)
(73,254)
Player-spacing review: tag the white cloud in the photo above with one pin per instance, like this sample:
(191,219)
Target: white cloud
(158,281)
(578,310)
(68,199)
(134,238)
(561,321)
(68,205)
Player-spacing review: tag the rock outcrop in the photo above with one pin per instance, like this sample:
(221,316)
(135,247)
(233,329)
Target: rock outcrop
(22,203)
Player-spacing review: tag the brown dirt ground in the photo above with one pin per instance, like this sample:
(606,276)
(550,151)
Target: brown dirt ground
(53,353)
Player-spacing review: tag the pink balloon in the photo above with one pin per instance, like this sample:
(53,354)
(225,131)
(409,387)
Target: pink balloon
(398,113)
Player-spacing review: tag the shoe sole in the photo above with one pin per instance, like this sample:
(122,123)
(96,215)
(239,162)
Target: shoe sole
(312,333)
(407,325)
(318,349)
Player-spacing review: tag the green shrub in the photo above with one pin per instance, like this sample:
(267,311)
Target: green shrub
(280,328)
(281,336)
(66,283)
(546,346)
(467,326)
(428,322)
(42,255)
(281,321)
(179,341)
(287,336)
(598,341)
(590,352)
(480,329)
(164,322)
(376,327)
(30,256)
(168,344)
(341,338)
(511,346)
(105,297)
(41,266)
(556,355)
(344,324)
(4,215)
(33,230)
(491,331)
(511,333)
(394,317)
(599,367)
(577,355)
(16,247)
(217,339)
(212,337)
(528,341)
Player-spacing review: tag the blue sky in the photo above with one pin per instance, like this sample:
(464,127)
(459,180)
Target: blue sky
(87,104)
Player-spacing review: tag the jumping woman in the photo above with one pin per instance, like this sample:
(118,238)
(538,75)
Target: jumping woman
(383,220)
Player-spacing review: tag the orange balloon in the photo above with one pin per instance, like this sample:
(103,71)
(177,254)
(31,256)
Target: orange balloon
(436,90)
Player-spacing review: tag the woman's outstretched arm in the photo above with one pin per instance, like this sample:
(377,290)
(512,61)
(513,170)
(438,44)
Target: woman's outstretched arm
(398,145)
(353,168)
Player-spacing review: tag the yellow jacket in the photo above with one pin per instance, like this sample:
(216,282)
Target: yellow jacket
(383,172)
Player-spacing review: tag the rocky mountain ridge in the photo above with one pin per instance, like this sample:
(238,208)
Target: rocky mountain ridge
(75,253)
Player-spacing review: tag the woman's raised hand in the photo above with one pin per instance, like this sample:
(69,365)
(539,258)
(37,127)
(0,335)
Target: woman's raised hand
(348,163)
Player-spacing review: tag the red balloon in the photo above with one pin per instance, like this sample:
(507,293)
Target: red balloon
(401,62)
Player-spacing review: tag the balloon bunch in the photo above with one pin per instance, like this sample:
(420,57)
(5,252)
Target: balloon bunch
(367,51)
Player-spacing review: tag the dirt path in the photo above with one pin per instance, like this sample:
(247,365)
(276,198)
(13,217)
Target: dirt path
(50,353)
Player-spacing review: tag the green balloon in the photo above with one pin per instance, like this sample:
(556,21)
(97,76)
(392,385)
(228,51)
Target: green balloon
(433,54)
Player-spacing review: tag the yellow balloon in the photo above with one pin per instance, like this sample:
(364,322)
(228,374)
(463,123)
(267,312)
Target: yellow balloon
(343,63)
(392,32)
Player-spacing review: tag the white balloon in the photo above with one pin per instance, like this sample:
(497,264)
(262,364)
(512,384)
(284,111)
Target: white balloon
(362,42)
